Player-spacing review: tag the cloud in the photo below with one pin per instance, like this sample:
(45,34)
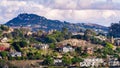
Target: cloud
(75,11)
(81,4)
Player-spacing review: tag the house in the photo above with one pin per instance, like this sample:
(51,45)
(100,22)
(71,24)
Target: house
(41,46)
(4,46)
(66,49)
(117,41)
(4,40)
(44,46)
(89,50)
(91,62)
(112,61)
(16,54)
(103,38)
(57,61)
(81,33)
(29,33)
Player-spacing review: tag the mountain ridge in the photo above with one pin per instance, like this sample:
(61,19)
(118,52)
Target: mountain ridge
(36,22)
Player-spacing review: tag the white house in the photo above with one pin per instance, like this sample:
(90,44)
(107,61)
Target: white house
(42,46)
(56,61)
(66,49)
(94,62)
(16,54)
(113,61)
(5,39)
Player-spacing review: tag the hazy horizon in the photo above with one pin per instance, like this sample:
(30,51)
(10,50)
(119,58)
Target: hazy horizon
(102,12)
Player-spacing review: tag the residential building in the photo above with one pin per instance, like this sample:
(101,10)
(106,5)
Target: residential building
(91,62)
(41,46)
(117,41)
(4,40)
(57,61)
(113,61)
(66,49)
(15,54)
(89,50)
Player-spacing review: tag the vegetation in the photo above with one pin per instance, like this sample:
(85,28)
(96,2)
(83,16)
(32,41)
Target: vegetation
(47,46)
(114,30)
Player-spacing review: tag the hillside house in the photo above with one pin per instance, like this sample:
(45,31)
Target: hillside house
(57,61)
(29,33)
(103,38)
(117,41)
(66,49)
(4,40)
(93,62)
(4,46)
(89,50)
(41,46)
(113,61)
(15,54)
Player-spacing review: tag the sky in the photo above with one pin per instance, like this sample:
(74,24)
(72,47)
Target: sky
(103,12)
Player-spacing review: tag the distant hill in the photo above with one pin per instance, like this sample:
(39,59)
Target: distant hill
(36,22)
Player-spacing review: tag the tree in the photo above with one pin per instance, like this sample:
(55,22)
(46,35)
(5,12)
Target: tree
(66,60)
(114,30)
(48,60)
(30,56)
(16,46)
(52,46)
(64,31)
(84,55)
(118,50)
(109,45)
(39,33)
(50,39)
(23,43)
(108,49)
(4,54)
(88,34)
(4,28)
(78,49)
(37,55)
(76,59)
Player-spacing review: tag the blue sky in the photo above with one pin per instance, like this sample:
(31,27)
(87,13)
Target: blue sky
(101,12)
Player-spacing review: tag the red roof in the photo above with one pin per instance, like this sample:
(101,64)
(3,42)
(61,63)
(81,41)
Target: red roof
(2,48)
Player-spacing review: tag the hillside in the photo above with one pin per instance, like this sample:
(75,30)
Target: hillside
(36,22)
(79,43)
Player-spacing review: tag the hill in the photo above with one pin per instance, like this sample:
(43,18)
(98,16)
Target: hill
(36,22)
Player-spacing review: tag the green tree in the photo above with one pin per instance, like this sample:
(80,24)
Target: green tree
(64,31)
(118,50)
(52,46)
(78,49)
(23,43)
(66,60)
(76,59)
(109,45)
(48,60)
(4,28)
(114,30)
(88,34)
(84,55)
(50,39)
(16,46)
(4,54)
